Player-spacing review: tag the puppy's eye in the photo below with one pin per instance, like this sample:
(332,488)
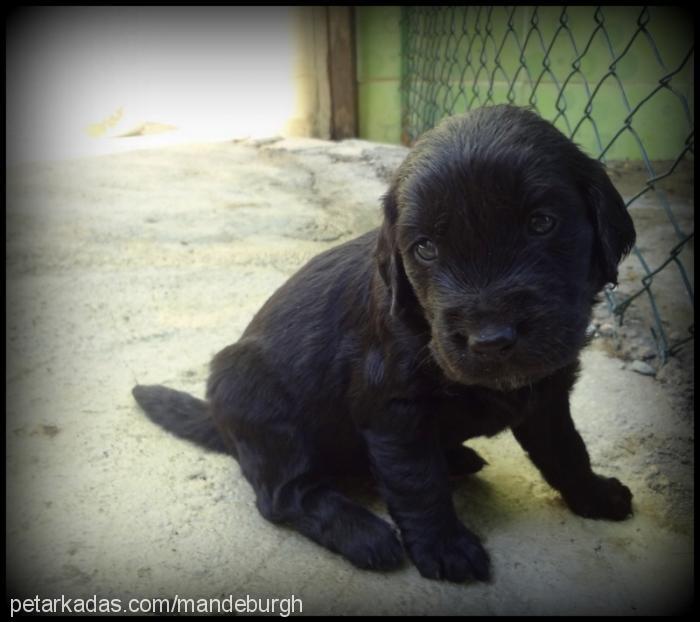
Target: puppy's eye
(541,224)
(425,250)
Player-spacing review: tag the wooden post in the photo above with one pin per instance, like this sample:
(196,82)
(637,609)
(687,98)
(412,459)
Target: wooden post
(342,72)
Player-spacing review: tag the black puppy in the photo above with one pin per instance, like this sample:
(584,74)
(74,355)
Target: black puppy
(464,314)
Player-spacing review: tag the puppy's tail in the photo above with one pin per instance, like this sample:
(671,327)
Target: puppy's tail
(181,414)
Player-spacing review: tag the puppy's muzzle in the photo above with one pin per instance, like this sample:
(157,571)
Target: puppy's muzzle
(493,341)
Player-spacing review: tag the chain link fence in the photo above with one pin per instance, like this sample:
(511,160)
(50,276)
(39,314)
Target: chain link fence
(580,68)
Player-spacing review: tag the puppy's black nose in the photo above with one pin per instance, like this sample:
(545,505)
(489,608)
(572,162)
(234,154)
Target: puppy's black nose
(492,339)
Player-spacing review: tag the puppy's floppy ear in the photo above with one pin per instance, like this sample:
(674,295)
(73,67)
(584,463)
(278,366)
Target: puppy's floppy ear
(389,260)
(615,235)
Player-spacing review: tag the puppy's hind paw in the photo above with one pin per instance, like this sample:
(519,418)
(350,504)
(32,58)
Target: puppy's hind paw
(370,543)
(463,461)
(455,556)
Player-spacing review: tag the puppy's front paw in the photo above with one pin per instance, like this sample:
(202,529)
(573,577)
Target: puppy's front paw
(601,497)
(455,555)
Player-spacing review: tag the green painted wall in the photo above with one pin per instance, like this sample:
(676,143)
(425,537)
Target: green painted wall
(379,72)
(661,123)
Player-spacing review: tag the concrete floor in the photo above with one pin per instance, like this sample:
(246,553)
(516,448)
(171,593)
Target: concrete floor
(138,268)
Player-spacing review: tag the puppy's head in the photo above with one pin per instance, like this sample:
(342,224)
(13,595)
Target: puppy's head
(499,232)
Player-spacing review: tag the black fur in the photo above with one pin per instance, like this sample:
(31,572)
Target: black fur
(373,356)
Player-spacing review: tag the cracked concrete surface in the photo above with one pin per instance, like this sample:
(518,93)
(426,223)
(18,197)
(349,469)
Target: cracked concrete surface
(138,268)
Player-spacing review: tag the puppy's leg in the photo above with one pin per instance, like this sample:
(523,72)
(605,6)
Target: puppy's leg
(556,448)
(290,490)
(410,464)
(278,457)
